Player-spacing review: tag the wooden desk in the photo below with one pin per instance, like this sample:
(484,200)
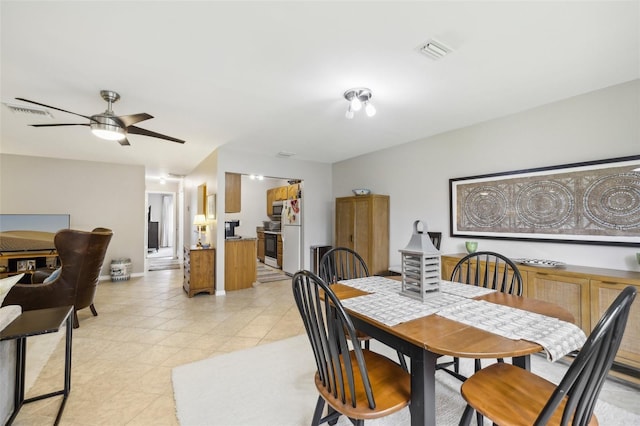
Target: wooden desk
(425,339)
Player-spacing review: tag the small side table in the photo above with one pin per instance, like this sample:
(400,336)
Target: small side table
(33,323)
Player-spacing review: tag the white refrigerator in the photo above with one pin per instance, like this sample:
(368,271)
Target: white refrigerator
(291,236)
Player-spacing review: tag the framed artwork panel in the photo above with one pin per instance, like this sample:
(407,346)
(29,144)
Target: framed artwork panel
(595,202)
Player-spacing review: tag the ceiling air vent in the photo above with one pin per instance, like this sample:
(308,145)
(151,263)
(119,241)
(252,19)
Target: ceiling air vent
(36,112)
(434,49)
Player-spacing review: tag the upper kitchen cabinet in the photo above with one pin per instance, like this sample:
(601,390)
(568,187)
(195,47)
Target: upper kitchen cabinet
(292,191)
(271,197)
(233,186)
(362,224)
(281,193)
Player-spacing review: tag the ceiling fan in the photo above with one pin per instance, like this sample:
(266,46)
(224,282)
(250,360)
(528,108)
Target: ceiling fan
(107,125)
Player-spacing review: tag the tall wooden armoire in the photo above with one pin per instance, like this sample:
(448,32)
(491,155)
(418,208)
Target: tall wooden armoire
(362,224)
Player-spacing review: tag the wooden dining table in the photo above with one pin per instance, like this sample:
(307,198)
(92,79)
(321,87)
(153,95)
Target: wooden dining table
(426,338)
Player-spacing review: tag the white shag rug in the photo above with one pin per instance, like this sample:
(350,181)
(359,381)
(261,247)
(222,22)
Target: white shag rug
(272,384)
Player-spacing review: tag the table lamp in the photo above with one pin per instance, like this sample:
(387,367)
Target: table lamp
(200,223)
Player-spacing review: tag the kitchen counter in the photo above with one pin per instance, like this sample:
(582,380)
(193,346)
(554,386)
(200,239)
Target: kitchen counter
(241,238)
(240,266)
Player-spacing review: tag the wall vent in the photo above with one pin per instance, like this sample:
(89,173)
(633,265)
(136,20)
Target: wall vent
(435,49)
(35,112)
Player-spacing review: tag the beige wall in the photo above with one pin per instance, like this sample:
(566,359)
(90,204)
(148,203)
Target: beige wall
(94,194)
(595,126)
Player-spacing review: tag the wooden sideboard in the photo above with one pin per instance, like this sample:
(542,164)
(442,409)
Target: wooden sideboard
(199,270)
(584,291)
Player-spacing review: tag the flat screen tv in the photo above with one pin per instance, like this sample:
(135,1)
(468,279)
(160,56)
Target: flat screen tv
(30,232)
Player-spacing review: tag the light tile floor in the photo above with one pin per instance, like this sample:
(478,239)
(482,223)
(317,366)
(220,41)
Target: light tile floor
(122,359)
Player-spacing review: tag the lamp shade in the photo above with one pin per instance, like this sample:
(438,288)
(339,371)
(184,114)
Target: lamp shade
(200,220)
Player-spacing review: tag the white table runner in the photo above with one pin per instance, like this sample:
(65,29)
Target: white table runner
(386,305)
(557,337)
(454,301)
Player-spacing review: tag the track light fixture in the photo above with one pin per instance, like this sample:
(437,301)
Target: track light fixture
(359,97)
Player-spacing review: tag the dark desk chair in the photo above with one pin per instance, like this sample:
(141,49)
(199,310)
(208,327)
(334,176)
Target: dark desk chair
(509,395)
(357,383)
(343,263)
(81,256)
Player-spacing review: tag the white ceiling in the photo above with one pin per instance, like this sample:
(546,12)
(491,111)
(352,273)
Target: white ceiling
(269,76)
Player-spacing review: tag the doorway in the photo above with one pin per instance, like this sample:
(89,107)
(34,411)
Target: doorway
(162,231)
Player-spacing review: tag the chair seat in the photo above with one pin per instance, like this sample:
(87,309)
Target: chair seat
(511,395)
(390,383)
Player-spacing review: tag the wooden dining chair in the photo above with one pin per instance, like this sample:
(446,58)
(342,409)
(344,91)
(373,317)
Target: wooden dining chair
(355,382)
(343,263)
(510,395)
(489,270)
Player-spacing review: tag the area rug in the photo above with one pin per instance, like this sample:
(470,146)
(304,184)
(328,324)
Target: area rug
(272,384)
(267,274)
(163,263)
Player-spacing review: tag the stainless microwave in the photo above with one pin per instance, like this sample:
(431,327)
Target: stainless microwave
(277,208)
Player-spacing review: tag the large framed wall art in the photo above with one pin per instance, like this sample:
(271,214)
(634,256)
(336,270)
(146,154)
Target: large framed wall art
(596,202)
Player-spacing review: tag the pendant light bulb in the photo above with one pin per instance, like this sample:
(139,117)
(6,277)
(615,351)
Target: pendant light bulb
(349,113)
(370,109)
(356,105)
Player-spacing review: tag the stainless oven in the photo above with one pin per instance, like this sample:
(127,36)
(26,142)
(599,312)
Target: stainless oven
(271,249)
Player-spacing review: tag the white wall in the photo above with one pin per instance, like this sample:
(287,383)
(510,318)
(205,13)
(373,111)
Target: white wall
(599,125)
(94,194)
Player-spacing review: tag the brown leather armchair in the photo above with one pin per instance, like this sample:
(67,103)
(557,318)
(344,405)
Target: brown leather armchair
(81,256)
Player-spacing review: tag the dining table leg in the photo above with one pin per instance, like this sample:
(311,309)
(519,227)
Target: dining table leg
(522,362)
(423,388)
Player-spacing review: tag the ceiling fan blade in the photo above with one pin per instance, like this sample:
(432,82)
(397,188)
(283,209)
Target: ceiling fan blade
(57,109)
(60,124)
(128,120)
(124,142)
(138,131)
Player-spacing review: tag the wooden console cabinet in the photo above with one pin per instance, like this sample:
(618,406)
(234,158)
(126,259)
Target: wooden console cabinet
(584,291)
(362,224)
(28,262)
(199,270)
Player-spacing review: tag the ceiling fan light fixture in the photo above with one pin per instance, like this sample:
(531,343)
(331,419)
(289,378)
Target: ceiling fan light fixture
(108,131)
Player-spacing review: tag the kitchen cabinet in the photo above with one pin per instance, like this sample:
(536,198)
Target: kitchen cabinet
(240,268)
(260,247)
(292,191)
(232,192)
(279,251)
(362,224)
(199,272)
(586,292)
(282,192)
(271,197)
